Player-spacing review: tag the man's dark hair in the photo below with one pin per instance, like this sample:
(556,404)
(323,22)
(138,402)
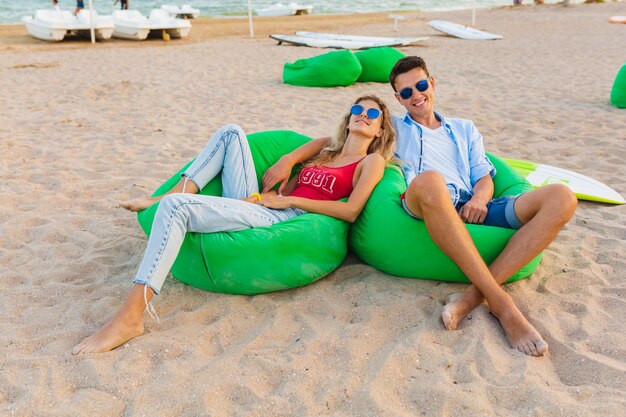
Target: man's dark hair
(406,64)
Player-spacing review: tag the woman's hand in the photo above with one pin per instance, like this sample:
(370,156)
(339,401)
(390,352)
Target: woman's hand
(277,173)
(252,200)
(277,202)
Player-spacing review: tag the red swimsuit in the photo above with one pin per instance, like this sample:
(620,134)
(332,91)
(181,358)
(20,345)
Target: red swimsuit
(325,183)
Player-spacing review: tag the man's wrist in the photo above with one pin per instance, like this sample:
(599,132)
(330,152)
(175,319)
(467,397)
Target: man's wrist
(483,200)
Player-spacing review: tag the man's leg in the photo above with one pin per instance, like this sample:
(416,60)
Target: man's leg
(427,196)
(543,212)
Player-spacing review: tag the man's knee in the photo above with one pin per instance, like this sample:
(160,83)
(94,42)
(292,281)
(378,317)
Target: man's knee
(556,200)
(429,188)
(563,201)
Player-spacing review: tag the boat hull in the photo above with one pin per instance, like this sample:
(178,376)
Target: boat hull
(44,32)
(130,32)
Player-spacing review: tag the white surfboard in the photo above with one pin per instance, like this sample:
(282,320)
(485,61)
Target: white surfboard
(338,41)
(617,19)
(377,39)
(463,32)
(585,188)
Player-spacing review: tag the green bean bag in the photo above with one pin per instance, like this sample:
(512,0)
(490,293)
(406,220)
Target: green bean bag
(332,69)
(377,63)
(618,92)
(263,259)
(387,238)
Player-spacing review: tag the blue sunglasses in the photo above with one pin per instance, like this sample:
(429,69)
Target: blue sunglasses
(406,93)
(371,113)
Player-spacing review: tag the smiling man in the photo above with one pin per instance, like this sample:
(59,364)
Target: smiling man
(449,183)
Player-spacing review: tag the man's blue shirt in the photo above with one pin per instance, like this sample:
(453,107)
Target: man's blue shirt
(472,163)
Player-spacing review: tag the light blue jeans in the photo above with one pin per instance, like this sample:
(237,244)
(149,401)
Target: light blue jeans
(227,151)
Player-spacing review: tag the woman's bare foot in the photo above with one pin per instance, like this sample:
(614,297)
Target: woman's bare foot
(139,204)
(520,333)
(115,333)
(125,325)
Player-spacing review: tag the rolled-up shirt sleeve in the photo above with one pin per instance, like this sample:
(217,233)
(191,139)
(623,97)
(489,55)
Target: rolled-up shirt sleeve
(480,165)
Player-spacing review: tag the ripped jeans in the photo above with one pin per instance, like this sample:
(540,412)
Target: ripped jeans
(227,151)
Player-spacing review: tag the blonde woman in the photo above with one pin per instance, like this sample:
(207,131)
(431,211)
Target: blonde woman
(349,167)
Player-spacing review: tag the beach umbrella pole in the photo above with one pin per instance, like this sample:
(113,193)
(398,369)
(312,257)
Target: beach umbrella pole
(91,29)
(250,19)
(473,13)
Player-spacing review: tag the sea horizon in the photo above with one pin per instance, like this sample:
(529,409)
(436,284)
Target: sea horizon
(11,12)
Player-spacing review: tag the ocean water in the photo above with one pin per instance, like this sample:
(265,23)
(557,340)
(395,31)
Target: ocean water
(12,10)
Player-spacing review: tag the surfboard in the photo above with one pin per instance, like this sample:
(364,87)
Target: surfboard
(339,41)
(585,188)
(378,39)
(617,19)
(460,31)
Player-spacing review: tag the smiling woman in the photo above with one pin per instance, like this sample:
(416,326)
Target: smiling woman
(235,239)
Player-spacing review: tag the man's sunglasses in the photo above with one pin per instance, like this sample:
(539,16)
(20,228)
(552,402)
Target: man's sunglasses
(406,93)
(371,113)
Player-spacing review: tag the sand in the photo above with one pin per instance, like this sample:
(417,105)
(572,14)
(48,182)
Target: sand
(83,127)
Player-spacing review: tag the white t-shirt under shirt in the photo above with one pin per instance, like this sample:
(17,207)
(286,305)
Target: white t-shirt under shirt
(441,154)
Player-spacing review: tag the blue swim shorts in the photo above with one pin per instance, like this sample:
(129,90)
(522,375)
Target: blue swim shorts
(500,212)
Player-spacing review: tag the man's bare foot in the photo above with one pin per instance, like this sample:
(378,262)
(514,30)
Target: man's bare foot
(138,204)
(115,333)
(521,334)
(458,306)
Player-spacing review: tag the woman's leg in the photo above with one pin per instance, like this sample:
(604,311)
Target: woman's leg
(227,151)
(176,215)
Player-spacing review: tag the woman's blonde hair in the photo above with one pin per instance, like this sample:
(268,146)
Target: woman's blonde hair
(385,145)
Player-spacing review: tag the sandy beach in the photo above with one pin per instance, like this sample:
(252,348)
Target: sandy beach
(84,126)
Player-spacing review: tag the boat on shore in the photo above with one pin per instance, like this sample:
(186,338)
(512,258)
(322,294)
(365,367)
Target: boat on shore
(160,20)
(183,12)
(132,25)
(279,9)
(55,25)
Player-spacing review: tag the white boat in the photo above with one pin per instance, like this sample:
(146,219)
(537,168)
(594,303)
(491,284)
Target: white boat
(160,20)
(183,12)
(280,9)
(54,25)
(130,24)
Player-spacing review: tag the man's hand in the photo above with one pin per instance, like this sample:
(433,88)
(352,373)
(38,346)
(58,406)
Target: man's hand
(474,211)
(277,202)
(277,173)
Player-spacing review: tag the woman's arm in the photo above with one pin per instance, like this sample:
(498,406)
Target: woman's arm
(281,170)
(291,185)
(372,168)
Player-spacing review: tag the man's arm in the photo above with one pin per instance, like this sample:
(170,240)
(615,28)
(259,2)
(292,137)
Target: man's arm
(475,210)
(281,170)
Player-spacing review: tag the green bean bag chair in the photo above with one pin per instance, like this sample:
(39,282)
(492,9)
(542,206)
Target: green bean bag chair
(263,259)
(618,92)
(377,63)
(332,69)
(387,238)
